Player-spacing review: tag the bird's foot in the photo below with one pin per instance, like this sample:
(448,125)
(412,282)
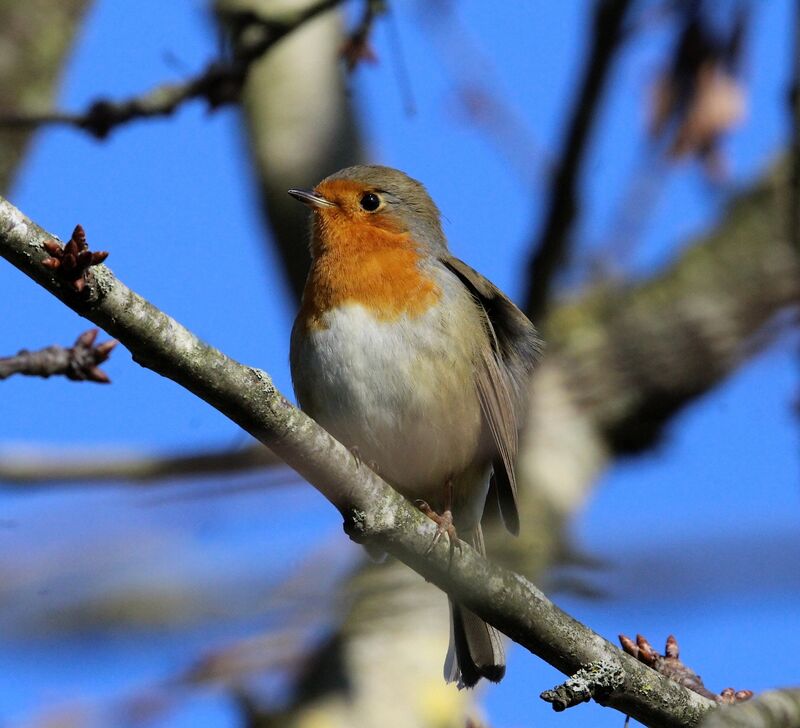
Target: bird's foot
(371,464)
(444,524)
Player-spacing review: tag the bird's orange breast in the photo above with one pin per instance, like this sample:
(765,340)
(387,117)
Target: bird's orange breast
(364,264)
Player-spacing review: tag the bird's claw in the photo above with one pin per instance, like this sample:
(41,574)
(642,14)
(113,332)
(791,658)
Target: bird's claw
(444,524)
(371,464)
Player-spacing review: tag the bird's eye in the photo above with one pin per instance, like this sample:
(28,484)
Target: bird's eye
(370,202)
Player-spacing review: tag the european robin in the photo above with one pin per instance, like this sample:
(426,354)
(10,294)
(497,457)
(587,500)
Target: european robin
(409,355)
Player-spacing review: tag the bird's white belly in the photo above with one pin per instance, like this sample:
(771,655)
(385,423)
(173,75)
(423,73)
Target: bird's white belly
(402,392)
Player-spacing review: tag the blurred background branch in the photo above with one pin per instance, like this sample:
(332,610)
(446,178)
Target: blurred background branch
(35,38)
(79,362)
(793,216)
(773,709)
(46,467)
(300,124)
(219,83)
(551,248)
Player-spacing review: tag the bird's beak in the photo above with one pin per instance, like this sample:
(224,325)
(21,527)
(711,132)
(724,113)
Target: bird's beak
(310,198)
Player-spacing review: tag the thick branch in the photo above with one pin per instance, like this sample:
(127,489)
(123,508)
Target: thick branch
(371,509)
(634,356)
(621,361)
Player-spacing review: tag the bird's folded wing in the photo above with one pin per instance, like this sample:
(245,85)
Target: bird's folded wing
(502,378)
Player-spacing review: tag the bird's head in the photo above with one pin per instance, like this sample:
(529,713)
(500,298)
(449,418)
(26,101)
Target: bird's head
(373,206)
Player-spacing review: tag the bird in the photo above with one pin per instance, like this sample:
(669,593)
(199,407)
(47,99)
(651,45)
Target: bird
(418,363)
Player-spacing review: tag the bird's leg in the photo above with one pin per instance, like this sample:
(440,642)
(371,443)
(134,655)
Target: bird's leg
(443,521)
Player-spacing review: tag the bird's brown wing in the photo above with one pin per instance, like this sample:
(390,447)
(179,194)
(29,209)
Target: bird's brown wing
(502,379)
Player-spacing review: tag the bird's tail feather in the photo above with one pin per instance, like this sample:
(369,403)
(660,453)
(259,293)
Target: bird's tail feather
(476,648)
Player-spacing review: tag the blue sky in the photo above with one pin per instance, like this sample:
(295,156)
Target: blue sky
(711,554)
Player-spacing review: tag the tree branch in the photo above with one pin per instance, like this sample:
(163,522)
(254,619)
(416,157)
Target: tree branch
(219,83)
(553,241)
(622,361)
(671,665)
(793,216)
(627,359)
(596,680)
(299,118)
(80,362)
(35,37)
(48,468)
(634,355)
(774,709)
(372,510)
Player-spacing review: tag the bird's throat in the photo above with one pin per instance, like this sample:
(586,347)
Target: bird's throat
(376,269)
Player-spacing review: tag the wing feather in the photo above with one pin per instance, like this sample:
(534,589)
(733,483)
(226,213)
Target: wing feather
(502,379)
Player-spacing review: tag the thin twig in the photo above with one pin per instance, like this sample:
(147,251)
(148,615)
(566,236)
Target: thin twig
(218,84)
(357,48)
(671,665)
(400,66)
(478,96)
(50,468)
(793,217)
(774,709)
(591,682)
(552,245)
(80,362)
